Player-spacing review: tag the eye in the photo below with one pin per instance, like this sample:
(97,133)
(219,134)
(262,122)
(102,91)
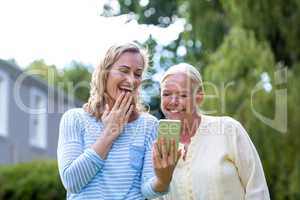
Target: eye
(123,70)
(166,94)
(139,75)
(183,95)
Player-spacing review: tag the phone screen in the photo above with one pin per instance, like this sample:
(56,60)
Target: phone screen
(169,129)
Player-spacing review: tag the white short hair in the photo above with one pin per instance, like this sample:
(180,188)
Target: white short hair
(189,70)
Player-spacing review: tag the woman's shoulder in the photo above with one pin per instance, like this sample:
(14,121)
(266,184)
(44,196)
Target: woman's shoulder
(220,119)
(77,114)
(148,117)
(221,124)
(73,112)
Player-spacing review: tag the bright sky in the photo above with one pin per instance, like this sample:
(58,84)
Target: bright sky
(60,31)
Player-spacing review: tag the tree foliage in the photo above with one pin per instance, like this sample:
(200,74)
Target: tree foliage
(209,23)
(234,69)
(76,80)
(161,13)
(73,79)
(44,71)
(276,21)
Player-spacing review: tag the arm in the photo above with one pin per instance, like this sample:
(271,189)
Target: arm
(249,166)
(114,121)
(76,165)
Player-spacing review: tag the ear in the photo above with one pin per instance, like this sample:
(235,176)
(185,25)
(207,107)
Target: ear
(199,97)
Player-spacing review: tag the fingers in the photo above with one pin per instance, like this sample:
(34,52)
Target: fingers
(123,102)
(126,108)
(179,152)
(164,152)
(175,151)
(172,155)
(128,113)
(156,159)
(118,101)
(127,103)
(105,113)
(106,110)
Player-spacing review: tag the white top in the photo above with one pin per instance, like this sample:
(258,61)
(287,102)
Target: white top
(221,164)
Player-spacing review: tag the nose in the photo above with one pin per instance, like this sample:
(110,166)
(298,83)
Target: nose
(173,100)
(131,79)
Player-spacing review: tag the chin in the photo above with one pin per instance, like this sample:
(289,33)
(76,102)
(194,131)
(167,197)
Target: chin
(173,116)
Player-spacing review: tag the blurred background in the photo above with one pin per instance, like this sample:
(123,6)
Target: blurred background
(247,52)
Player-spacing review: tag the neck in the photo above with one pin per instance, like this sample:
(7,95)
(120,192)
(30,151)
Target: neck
(133,116)
(109,100)
(189,127)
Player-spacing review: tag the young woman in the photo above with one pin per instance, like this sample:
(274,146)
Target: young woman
(104,149)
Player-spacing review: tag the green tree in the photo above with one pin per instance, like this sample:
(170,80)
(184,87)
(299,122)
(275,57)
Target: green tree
(73,79)
(161,13)
(76,80)
(40,69)
(235,68)
(209,23)
(275,21)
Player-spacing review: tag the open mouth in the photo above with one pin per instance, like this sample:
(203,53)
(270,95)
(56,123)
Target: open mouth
(131,91)
(175,111)
(126,89)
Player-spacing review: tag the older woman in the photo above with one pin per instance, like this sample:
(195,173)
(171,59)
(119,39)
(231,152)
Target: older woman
(219,161)
(104,149)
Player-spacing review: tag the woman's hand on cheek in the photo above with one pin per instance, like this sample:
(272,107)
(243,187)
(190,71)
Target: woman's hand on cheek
(115,119)
(164,163)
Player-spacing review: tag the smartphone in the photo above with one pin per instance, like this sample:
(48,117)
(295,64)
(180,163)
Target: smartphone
(169,128)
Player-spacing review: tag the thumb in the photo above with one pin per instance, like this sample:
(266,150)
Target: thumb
(179,152)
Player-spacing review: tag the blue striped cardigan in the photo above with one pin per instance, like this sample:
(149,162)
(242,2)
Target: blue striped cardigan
(127,171)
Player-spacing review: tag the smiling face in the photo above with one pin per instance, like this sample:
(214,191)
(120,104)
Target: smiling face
(125,75)
(178,99)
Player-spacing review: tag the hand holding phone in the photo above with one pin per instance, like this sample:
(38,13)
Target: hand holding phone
(165,154)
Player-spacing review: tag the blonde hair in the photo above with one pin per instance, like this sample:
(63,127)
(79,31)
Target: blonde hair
(96,102)
(190,71)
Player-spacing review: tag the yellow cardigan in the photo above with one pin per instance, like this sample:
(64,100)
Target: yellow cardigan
(221,164)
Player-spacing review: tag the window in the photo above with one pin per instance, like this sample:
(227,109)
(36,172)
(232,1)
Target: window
(38,119)
(3,104)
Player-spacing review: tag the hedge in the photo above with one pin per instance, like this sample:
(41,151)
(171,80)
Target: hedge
(27,181)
